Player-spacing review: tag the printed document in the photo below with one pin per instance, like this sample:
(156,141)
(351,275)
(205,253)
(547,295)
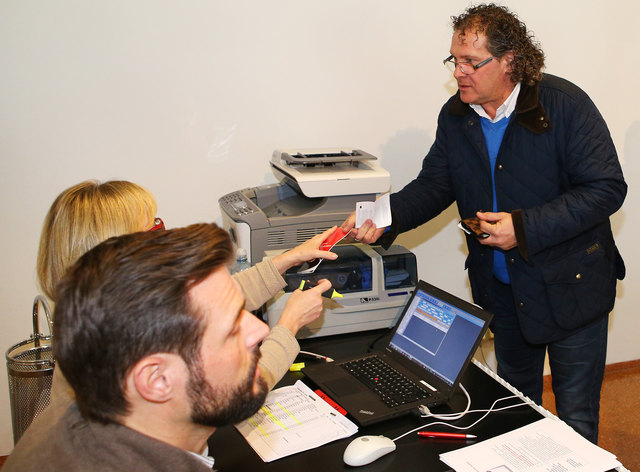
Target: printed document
(293,419)
(546,445)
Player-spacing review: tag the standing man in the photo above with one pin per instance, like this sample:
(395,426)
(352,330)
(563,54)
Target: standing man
(152,333)
(534,149)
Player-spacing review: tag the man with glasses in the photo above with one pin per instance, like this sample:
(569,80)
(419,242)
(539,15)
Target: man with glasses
(533,149)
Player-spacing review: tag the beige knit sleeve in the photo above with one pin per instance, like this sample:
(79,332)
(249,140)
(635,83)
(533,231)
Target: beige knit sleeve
(278,350)
(259,283)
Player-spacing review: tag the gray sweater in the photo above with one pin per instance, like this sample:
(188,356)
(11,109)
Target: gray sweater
(74,444)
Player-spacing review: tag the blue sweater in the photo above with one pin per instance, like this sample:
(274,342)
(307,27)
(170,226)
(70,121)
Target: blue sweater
(493,134)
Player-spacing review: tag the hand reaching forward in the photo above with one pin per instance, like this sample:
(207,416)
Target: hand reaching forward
(306,251)
(303,307)
(367,233)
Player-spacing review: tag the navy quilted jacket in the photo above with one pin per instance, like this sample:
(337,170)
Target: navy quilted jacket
(558,174)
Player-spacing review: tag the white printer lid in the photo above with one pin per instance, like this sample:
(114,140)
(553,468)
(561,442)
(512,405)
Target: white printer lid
(326,172)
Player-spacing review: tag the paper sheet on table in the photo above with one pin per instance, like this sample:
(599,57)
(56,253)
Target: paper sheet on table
(546,445)
(379,212)
(293,419)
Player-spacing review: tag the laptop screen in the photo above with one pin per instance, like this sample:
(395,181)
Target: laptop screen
(437,335)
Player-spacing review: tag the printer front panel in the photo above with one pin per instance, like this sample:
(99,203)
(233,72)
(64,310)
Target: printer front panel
(360,275)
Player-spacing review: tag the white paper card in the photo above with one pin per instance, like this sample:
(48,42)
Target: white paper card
(379,212)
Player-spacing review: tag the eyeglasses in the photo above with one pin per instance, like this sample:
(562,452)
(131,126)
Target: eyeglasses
(158,225)
(465,67)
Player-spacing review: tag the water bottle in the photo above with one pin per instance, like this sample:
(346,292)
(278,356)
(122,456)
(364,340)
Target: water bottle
(242,262)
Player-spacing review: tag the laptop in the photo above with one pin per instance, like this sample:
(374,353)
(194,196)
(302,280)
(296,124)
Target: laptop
(432,345)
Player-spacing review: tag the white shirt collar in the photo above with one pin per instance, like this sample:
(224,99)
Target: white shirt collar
(204,457)
(504,110)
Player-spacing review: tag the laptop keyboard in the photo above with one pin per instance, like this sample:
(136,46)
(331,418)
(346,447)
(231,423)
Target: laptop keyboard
(393,388)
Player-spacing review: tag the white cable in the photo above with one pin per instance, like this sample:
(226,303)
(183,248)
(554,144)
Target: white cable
(317,356)
(455,416)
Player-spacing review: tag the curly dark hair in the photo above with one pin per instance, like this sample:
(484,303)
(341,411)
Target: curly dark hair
(505,32)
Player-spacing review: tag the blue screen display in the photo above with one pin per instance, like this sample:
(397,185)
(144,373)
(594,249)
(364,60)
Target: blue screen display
(437,335)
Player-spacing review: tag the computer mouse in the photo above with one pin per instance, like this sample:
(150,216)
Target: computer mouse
(366,449)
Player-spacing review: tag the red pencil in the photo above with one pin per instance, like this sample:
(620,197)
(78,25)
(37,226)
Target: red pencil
(437,434)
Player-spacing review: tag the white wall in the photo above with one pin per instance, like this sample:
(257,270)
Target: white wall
(190,98)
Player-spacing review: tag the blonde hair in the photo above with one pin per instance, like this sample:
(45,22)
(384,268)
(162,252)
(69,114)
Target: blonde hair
(83,216)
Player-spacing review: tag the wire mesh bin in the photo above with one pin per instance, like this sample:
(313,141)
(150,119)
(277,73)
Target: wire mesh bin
(30,369)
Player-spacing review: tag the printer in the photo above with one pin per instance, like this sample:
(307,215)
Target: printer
(317,188)
(374,283)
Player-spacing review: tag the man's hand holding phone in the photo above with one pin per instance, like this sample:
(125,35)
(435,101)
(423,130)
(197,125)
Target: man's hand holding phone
(471,226)
(491,229)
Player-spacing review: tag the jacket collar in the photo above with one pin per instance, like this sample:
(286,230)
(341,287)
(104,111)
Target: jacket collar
(530,113)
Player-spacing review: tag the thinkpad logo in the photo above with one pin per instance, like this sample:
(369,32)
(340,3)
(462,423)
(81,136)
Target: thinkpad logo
(369,299)
(366,412)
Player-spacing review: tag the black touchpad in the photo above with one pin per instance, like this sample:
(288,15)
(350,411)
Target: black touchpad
(345,386)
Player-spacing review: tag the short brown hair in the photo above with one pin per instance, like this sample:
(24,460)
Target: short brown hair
(127,298)
(505,32)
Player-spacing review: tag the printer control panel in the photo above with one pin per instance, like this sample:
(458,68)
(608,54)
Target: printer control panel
(237,203)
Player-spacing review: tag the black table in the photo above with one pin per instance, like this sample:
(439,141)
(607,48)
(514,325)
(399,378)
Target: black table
(233,453)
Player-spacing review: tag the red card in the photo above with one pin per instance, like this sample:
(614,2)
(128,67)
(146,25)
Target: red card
(334,238)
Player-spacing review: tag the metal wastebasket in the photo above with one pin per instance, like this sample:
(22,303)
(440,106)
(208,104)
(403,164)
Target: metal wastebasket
(30,369)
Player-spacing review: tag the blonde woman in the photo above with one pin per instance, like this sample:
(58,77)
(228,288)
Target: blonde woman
(90,212)
(83,216)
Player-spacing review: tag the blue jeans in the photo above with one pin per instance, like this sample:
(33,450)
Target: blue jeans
(577,364)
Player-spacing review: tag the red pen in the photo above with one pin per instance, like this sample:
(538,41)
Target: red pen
(437,434)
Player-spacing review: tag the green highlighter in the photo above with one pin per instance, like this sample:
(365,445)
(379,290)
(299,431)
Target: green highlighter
(307,284)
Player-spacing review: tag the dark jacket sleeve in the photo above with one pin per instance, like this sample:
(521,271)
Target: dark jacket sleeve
(594,187)
(429,193)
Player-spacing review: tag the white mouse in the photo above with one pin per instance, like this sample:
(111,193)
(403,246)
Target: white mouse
(366,449)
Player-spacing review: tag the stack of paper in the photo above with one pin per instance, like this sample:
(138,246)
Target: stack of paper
(293,419)
(546,445)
